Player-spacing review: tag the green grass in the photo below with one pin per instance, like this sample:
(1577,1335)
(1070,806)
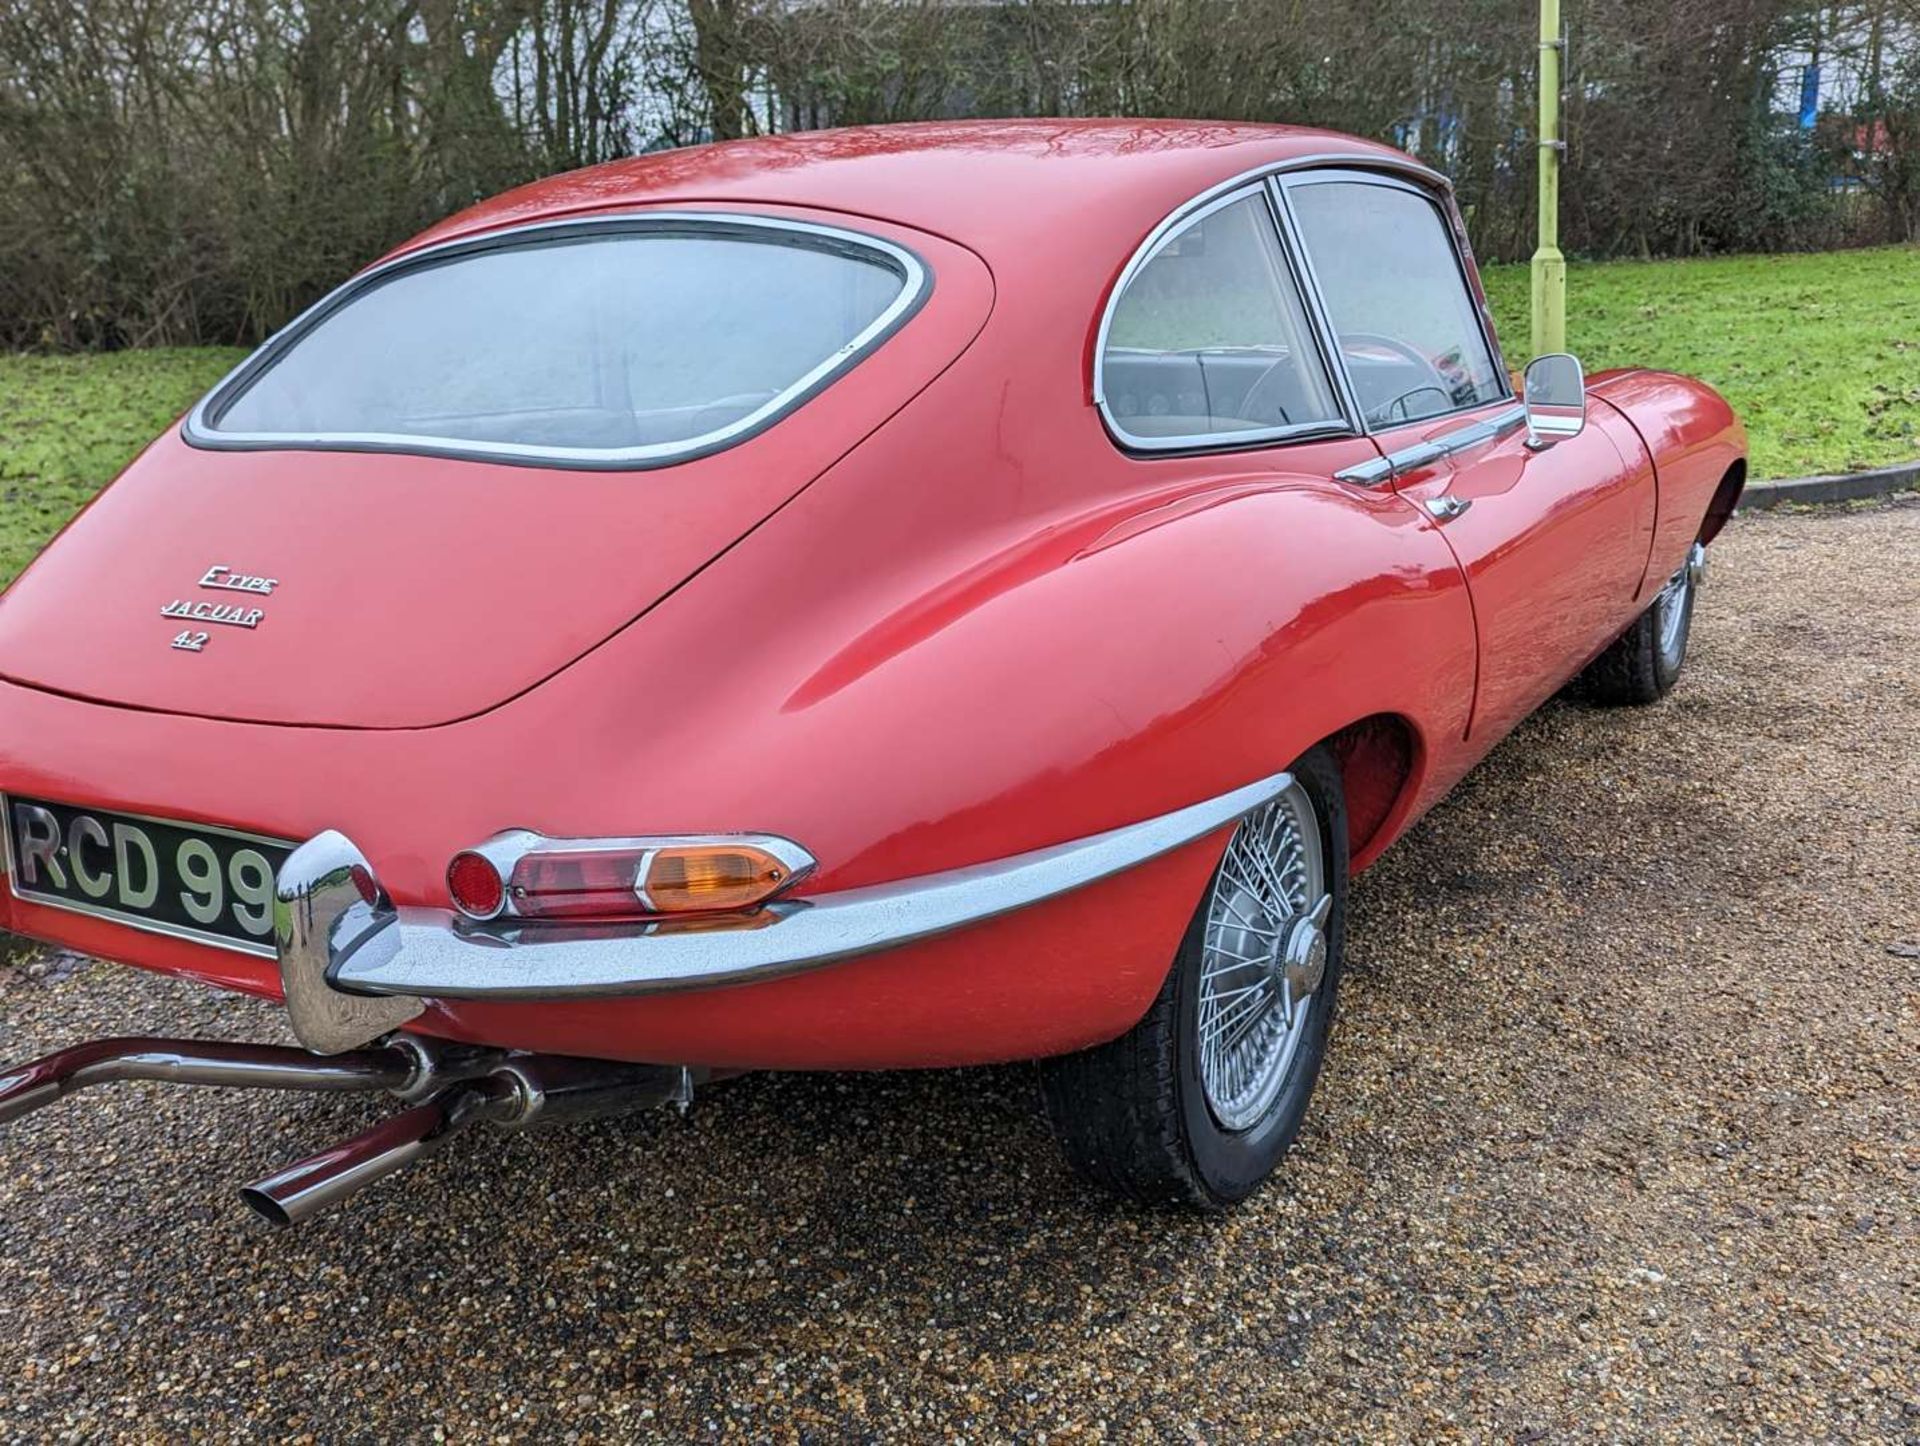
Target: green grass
(1819,354)
(68,423)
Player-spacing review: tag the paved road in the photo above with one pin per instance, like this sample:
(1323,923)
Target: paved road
(1620,1138)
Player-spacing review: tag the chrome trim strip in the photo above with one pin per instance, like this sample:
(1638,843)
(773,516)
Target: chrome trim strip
(199,427)
(6,845)
(1433,449)
(159,927)
(1222,193)
(1311,297)
(424,952)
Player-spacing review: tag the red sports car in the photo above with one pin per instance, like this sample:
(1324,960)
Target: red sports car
(896,597)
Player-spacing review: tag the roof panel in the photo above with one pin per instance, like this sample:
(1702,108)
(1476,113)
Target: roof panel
(989,184)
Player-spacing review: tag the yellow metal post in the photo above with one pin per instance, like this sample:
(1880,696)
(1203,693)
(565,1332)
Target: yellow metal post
(1549,266)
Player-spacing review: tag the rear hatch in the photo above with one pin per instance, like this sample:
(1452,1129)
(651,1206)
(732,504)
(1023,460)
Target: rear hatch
(404,590)
(394,590)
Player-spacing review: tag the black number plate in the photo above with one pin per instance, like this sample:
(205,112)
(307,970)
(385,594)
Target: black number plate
(190,880)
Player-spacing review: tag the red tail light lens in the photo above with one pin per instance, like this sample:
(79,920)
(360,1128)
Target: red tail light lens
(476,885)
(577,884)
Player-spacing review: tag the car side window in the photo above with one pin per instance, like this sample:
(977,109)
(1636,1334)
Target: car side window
(1210,340)
(1409,329)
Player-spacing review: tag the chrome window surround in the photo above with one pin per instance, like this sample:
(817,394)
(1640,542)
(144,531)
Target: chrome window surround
(200,428)
(365,945)
(1386,170)
(1169,230)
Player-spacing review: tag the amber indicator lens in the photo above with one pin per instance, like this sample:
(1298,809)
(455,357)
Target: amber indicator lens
(711,876)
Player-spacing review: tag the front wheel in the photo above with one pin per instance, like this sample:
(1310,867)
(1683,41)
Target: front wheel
(1643,663)
(1199,1100)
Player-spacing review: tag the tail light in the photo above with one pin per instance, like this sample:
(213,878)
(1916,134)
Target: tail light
(529,876)
(477,888)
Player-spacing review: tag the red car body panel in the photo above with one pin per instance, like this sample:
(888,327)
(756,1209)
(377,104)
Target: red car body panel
(450,585)
(934,617)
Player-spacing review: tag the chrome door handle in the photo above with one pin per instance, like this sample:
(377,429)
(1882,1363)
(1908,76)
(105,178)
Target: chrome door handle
(1445,509)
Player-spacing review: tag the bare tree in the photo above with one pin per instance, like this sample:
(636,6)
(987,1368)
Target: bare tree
(198,170)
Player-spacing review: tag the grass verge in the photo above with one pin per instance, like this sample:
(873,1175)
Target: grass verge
(69,423)
(1820,354)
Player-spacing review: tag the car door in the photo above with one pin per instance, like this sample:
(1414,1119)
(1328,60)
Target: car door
(1554,541)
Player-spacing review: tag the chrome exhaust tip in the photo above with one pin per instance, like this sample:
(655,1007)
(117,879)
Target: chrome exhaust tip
(448,1088)
(520,1092)
(306,1187)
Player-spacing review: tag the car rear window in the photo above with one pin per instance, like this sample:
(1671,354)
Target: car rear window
(625,344)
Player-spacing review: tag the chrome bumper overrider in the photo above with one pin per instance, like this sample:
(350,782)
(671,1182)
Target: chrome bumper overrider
(356,966)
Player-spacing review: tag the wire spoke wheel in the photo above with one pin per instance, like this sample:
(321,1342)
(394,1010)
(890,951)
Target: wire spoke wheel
(1264,958)
(1670,616)
(1199,1101)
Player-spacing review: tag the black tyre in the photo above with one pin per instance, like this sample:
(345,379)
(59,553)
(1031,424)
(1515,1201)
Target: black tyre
(1644,662)
(1199,1100)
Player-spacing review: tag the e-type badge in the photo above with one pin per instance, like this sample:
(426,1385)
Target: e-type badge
(221,578)
(224,577)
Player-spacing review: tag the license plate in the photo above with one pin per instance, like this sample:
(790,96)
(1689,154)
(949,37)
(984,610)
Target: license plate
(190,880)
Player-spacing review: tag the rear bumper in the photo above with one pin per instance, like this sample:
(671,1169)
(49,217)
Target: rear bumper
(1068,971)
(352,963)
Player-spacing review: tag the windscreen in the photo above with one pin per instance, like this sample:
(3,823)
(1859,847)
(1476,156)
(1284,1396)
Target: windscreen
(650,340)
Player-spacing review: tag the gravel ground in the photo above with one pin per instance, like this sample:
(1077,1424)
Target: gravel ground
(1620,1138)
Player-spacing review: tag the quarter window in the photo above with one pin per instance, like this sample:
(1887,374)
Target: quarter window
(1409,330)
(1209,341)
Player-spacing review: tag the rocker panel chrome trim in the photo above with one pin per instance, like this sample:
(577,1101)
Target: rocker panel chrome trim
(424,952)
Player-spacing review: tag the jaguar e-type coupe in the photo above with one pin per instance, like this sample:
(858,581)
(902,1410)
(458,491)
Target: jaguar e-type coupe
(883,598)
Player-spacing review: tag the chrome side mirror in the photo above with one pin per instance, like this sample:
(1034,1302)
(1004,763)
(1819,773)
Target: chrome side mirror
(1556,398)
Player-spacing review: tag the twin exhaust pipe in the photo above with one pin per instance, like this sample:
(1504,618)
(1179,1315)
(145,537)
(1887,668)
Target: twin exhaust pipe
(448,1089)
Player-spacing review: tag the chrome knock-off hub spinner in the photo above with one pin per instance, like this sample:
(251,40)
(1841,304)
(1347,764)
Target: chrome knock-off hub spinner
(1302,962)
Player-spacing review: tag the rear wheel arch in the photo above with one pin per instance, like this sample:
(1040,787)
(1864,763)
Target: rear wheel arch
(1380,757)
